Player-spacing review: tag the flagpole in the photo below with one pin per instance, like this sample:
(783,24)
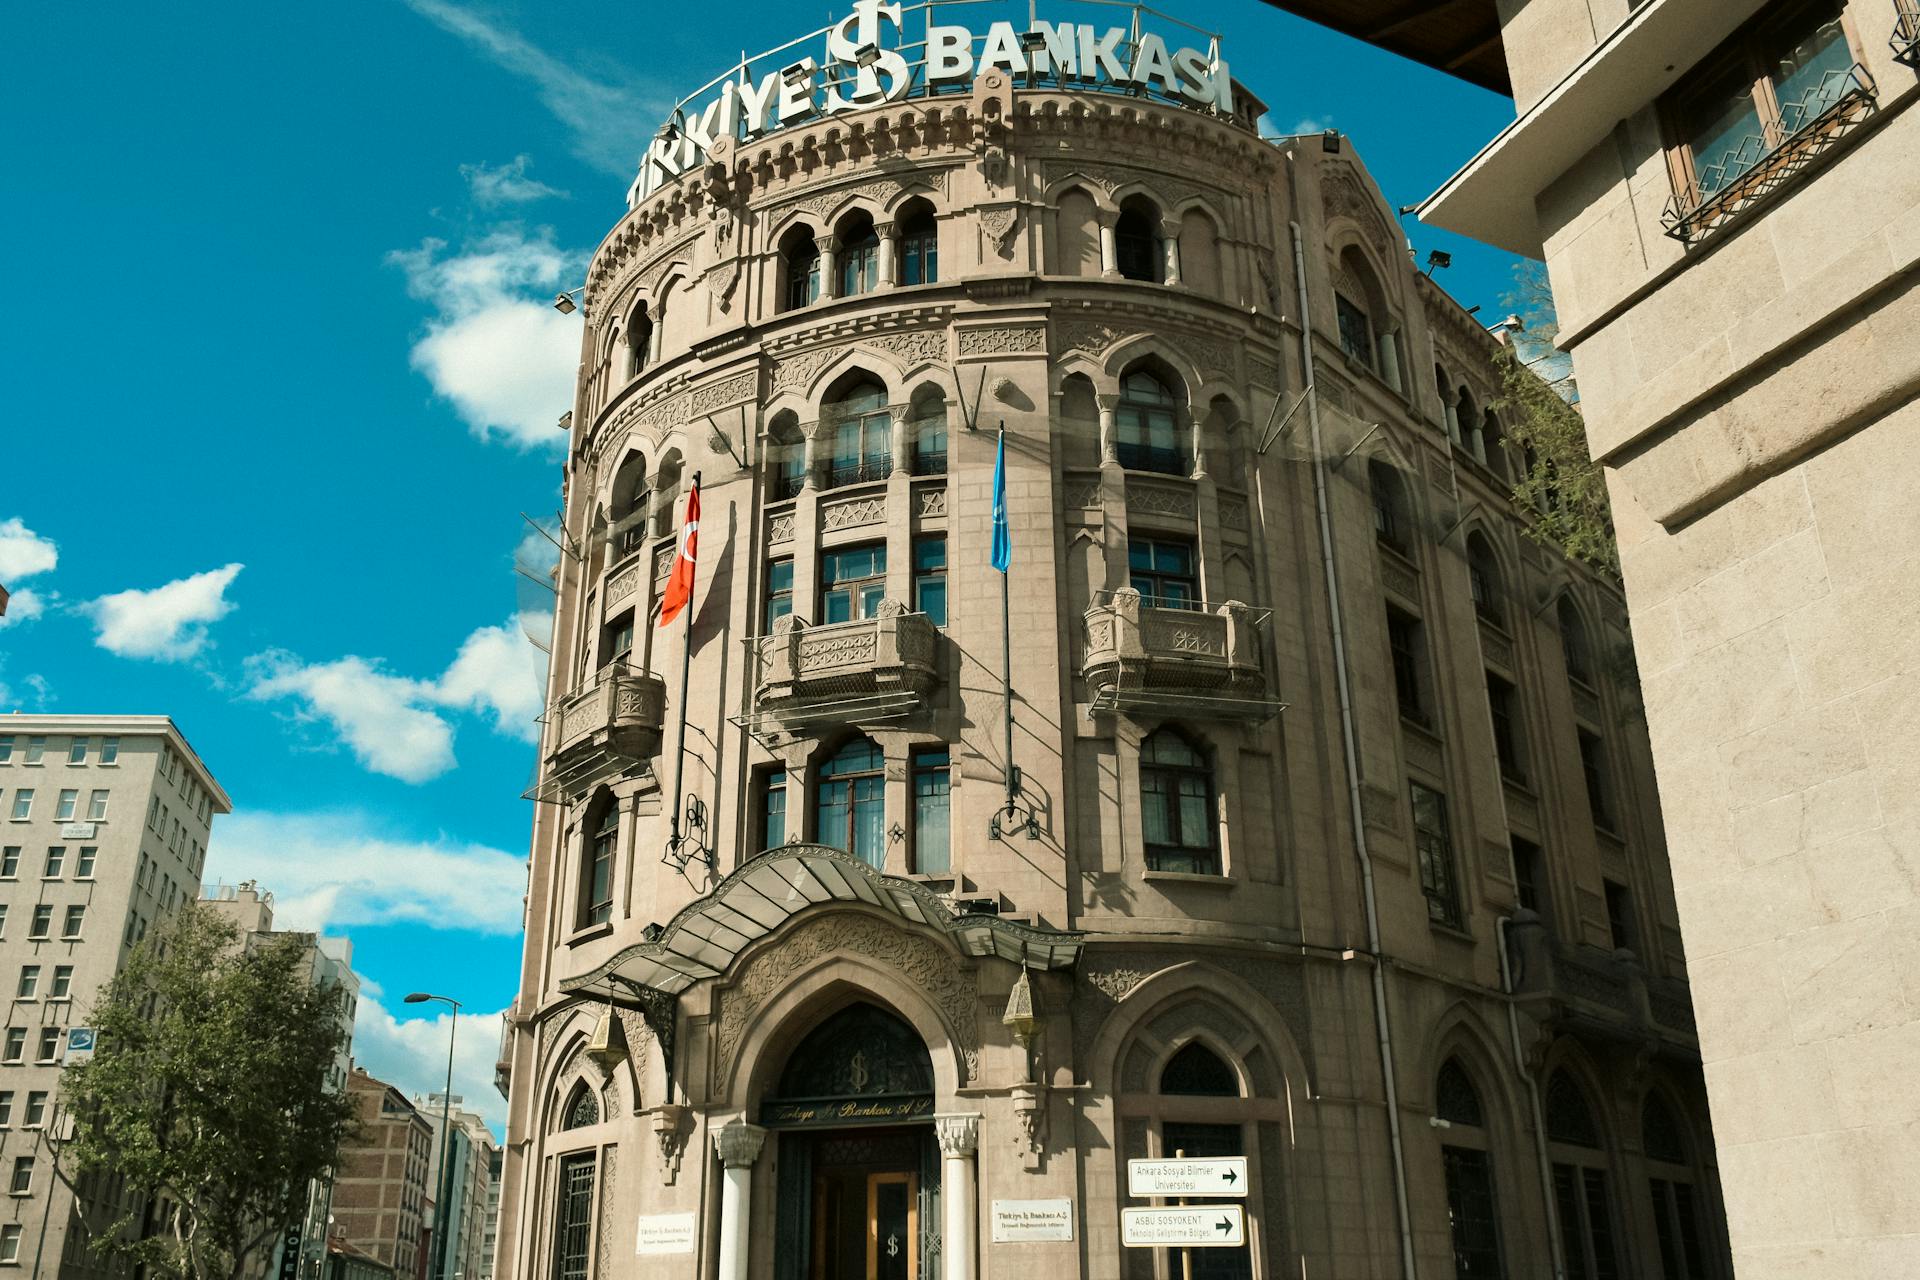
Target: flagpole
(686,672)
(1004,554)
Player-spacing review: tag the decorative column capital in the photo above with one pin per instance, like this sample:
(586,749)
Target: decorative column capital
(959,1134)
(825,243)
(738,1144)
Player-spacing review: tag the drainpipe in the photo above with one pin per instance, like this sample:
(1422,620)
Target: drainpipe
(1533,1102)
(1383,1025)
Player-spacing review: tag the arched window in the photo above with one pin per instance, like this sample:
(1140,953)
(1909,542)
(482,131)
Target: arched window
(850,808)
(596,868)
(1491,437)
(1199,1074)
(862,434)
(1076,241)
(1468,414)
(927,423)
(1178,819)
(1483,578)
(1390,523)
(666,490)
(1200,253)
(1670,1183)
(639,338)
(799,269)
(858,256)
(1147,423)
(1136,241)
(1472,1208)
(786,457)
(1449,409)
(1573,642)
(1356,326)
(628,511)
(1582,1198)
(919,244)
(582,1109)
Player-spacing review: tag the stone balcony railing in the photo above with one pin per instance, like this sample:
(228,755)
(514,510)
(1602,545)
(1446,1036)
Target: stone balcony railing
(605,727)
(1604,993)
(1203,659)
(849,672)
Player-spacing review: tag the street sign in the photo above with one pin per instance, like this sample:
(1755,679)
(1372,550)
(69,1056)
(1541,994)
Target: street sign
(1199,1226)
(1218,1176)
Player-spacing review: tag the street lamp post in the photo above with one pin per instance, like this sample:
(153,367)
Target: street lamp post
(442,1209)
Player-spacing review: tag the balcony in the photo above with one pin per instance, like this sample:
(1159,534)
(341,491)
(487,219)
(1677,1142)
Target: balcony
(1601,993)
(864,471)
(1906,32)
(601,730)
(843,672)
(1203,659)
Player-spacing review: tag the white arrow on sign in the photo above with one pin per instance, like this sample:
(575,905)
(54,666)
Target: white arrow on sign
(1200,1226)
(1218,1176)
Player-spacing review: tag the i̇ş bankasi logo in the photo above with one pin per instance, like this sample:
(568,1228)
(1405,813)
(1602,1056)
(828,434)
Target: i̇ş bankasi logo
(866,64)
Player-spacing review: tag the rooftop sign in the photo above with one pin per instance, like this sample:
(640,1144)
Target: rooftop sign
(884,52)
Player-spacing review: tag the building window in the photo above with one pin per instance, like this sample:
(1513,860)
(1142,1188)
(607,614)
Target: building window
(1573,643)
(1178,819)
(929,428)
(62,982)
(83,865)
(75,921)
(49,1043)
(1579,1184)
(1502,704)
(6,748)
(639,339)
(1483,579)
(36,1109)
(787,455)
(1433,840)
(617,639)
(930,578)
(1675,1206)
(6,1107)
(10,1242)
(1409,662)
(97,806)
(22,1183)
(932,776)
(596,903)
(56,860)
(109,750)
(1529,877)
(77,751)
(1162,571)
(16,1045)
(1593,764)
(862,436)
(29,986)
(582,1110)
(42,926)
(1389,505)
(1197,1072)
(1136,242)
(573,1226)
(799,272)
(850,810)
(919,246)
(1620,916)
(779,591)
(36,748)
(859,256)
(773,808)
(853,581)
(1471,1205)
(10,862)
(1148,432)
(1356,331)
(22,803)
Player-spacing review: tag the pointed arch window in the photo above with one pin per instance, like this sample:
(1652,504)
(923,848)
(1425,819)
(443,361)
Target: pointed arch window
(1573,643)
(596,872)
(1136,242)
(799,269)
(1178,817)
(1472,1208)
(1676,1205)
(1150,434)
(1390,522)
(850,801)
(582,1109)
(928,427)
(858,256)
(639,339)
(919,245)
(1581,1192)
(1198,1072)
(862,435)
(1483,579)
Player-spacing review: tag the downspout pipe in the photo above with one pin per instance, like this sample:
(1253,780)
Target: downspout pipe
(1554,1228)
(1383,1023)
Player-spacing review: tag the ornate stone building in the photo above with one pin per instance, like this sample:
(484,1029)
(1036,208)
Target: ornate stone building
(1314,756)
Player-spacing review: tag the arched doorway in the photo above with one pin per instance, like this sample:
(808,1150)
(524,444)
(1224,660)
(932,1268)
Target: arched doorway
(859,1169)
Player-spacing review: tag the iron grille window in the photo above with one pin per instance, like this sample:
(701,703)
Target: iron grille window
(919,249)
(1149,436)
(1677,1226)
(932,811)
(1177,814)
(1473,1211)
(1434,843)
(573,1228)
(779,591)
(1455,1100)
(1403,639)
(597,904)
(1586,1223)
(1356,330)
(853,581)
(930,579)
(850,808)
(1161,570)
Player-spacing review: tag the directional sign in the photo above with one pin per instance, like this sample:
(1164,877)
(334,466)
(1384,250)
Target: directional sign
(1200,1226)
(1221,1176)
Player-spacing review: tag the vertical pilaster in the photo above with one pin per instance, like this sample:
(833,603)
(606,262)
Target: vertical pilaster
(738,1146)
(959,1137)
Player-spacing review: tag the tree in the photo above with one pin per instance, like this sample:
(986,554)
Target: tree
(209,1094)
(1562,489)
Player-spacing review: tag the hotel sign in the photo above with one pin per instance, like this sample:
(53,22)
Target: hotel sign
(886,51)
(846,1111)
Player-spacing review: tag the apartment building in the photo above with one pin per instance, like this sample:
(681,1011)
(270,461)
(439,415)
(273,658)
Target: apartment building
(463,1253)
(382,1199)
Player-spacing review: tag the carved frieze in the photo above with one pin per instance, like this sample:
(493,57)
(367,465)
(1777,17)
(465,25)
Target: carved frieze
(851,515)
(1160,500)
(881,190)
(1002,340)
(932,500)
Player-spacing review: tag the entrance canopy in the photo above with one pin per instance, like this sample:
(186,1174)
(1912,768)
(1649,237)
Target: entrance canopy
(706,937)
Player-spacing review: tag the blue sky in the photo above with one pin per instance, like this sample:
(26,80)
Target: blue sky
(282,378)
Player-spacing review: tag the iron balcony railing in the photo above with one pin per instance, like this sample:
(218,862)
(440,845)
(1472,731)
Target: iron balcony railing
(1146,457)
(786,488)
(1766,161)
(871,668)
(861,472)
(930,462)
(1906,32)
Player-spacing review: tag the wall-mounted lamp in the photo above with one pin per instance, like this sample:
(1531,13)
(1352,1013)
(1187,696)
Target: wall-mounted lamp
(564,302)
(1438,260)
(1330,142)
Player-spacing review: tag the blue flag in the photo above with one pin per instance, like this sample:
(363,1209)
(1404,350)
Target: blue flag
(1002,540)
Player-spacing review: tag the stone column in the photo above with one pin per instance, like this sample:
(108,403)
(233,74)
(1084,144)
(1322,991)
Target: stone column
(1109,247)
(901,428)
(1390,359)
(959,1137)
(738,1145)
(1452,412)
(889,253)
(1109,443)
(829,276)
(1170,248)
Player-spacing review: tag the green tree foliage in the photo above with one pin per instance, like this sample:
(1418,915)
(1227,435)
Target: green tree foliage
(209,1094)
(1560,486)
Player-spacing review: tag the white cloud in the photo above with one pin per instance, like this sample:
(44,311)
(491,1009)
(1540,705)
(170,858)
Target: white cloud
(378,714)
(608,123)
(168,623)
(506,183)
(411,1055)
(23,552)
(496,347)
(497,670)
(33,693)
(331,871)
(23,605)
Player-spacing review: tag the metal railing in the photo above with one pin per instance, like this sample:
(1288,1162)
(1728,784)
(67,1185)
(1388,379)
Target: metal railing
(1764,162)
(930,462)
(861,472)
(1906,32)
(1146,457)
(786,488)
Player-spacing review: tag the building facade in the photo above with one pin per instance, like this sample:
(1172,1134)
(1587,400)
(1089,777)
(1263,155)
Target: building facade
(1315,825)
(470,1195)
(1736,262)
(382,1199)
(104,823)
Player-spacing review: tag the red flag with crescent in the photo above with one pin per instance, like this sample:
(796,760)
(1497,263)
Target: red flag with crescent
(680,582)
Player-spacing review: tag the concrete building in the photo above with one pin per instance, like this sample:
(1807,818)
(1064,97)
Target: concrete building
(104,822)
(472,1153)
(382,1199)
(490,1233)
(1313,759)
(1726,198)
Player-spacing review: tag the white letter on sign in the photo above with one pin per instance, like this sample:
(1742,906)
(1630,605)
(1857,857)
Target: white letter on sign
(796,95)
(949,55)
(1002,49)
(1061,50)
(1097,56)
(754,101)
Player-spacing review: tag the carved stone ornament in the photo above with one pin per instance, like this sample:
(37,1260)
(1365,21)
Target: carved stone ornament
(1006,339)
(880,191)
(1343,196)
(1116,982)
(958,1135)
(1169,191)
(1000,224)
(672,1125)
(1030,1109)
(912,958)
(738,1143)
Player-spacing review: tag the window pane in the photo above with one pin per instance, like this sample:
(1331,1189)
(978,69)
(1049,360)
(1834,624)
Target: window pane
(1810,72)
(1470,1205)
(932,782)
(1724,131)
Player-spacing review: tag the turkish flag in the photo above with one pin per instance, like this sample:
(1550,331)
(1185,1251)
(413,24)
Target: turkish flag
(680,582)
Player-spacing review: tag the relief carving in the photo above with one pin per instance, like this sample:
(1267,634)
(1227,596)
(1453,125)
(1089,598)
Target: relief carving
(1002,340)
